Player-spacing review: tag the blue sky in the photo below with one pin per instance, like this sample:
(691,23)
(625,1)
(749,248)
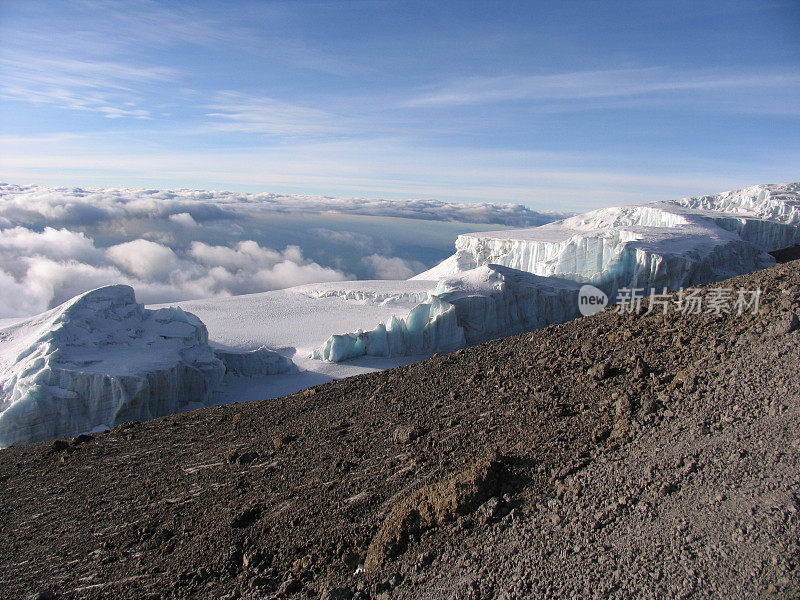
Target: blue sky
(560,105)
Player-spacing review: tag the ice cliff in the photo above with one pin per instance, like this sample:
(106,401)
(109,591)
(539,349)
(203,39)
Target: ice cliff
(661,244)
(501,282)
(478,305)
(102,359)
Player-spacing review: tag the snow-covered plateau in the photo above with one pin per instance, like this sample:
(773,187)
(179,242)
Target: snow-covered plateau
(101,358)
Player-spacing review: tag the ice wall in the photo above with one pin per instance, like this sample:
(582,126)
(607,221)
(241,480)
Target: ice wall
(429,327)
(102,359)
(256,363)
(478,305)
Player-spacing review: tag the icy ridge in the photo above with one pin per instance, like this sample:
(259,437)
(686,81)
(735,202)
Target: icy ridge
(475,306)
(774,202)
(370,296)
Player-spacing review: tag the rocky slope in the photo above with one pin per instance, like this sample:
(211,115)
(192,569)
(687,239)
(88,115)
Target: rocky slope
(615,456)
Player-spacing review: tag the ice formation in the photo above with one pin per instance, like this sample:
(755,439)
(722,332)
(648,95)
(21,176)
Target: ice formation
(779,203)
(297,320)
(255,363)
(481,304)
(102,359)
(652,246)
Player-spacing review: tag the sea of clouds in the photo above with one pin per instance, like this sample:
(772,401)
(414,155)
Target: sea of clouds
(177,245)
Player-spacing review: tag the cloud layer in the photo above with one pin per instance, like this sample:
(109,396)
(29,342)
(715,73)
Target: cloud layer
(39,205)
(42,269)
(176,245)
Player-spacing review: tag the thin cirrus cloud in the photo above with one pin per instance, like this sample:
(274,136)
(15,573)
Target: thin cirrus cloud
(590,85)
(107,87)
(110,27)
(234,111)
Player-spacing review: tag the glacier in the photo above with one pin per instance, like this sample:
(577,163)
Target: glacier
(670,244)
(775,202)
(652,246)
(481,304)
(101,359)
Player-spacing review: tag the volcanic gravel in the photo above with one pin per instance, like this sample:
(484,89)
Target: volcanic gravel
(616,456)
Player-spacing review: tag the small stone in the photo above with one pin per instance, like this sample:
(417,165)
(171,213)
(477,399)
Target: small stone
(667,489)
(491,509)
(290,586)
(123,427)
(622,407)
(407,434)
(58,446)
(251,560)
(337,593)
(640,369)
(685,379)
(601,371)
(648,405)
(787,324)
(601,434)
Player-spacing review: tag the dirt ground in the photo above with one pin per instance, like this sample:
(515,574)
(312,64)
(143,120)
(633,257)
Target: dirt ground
(615,456)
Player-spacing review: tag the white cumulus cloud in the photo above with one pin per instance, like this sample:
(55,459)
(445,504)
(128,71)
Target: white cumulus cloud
(184,219)
(144,259)
(40,205)
(39,270)
(392,267)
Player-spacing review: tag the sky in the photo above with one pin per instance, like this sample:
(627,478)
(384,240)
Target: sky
(556,105)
